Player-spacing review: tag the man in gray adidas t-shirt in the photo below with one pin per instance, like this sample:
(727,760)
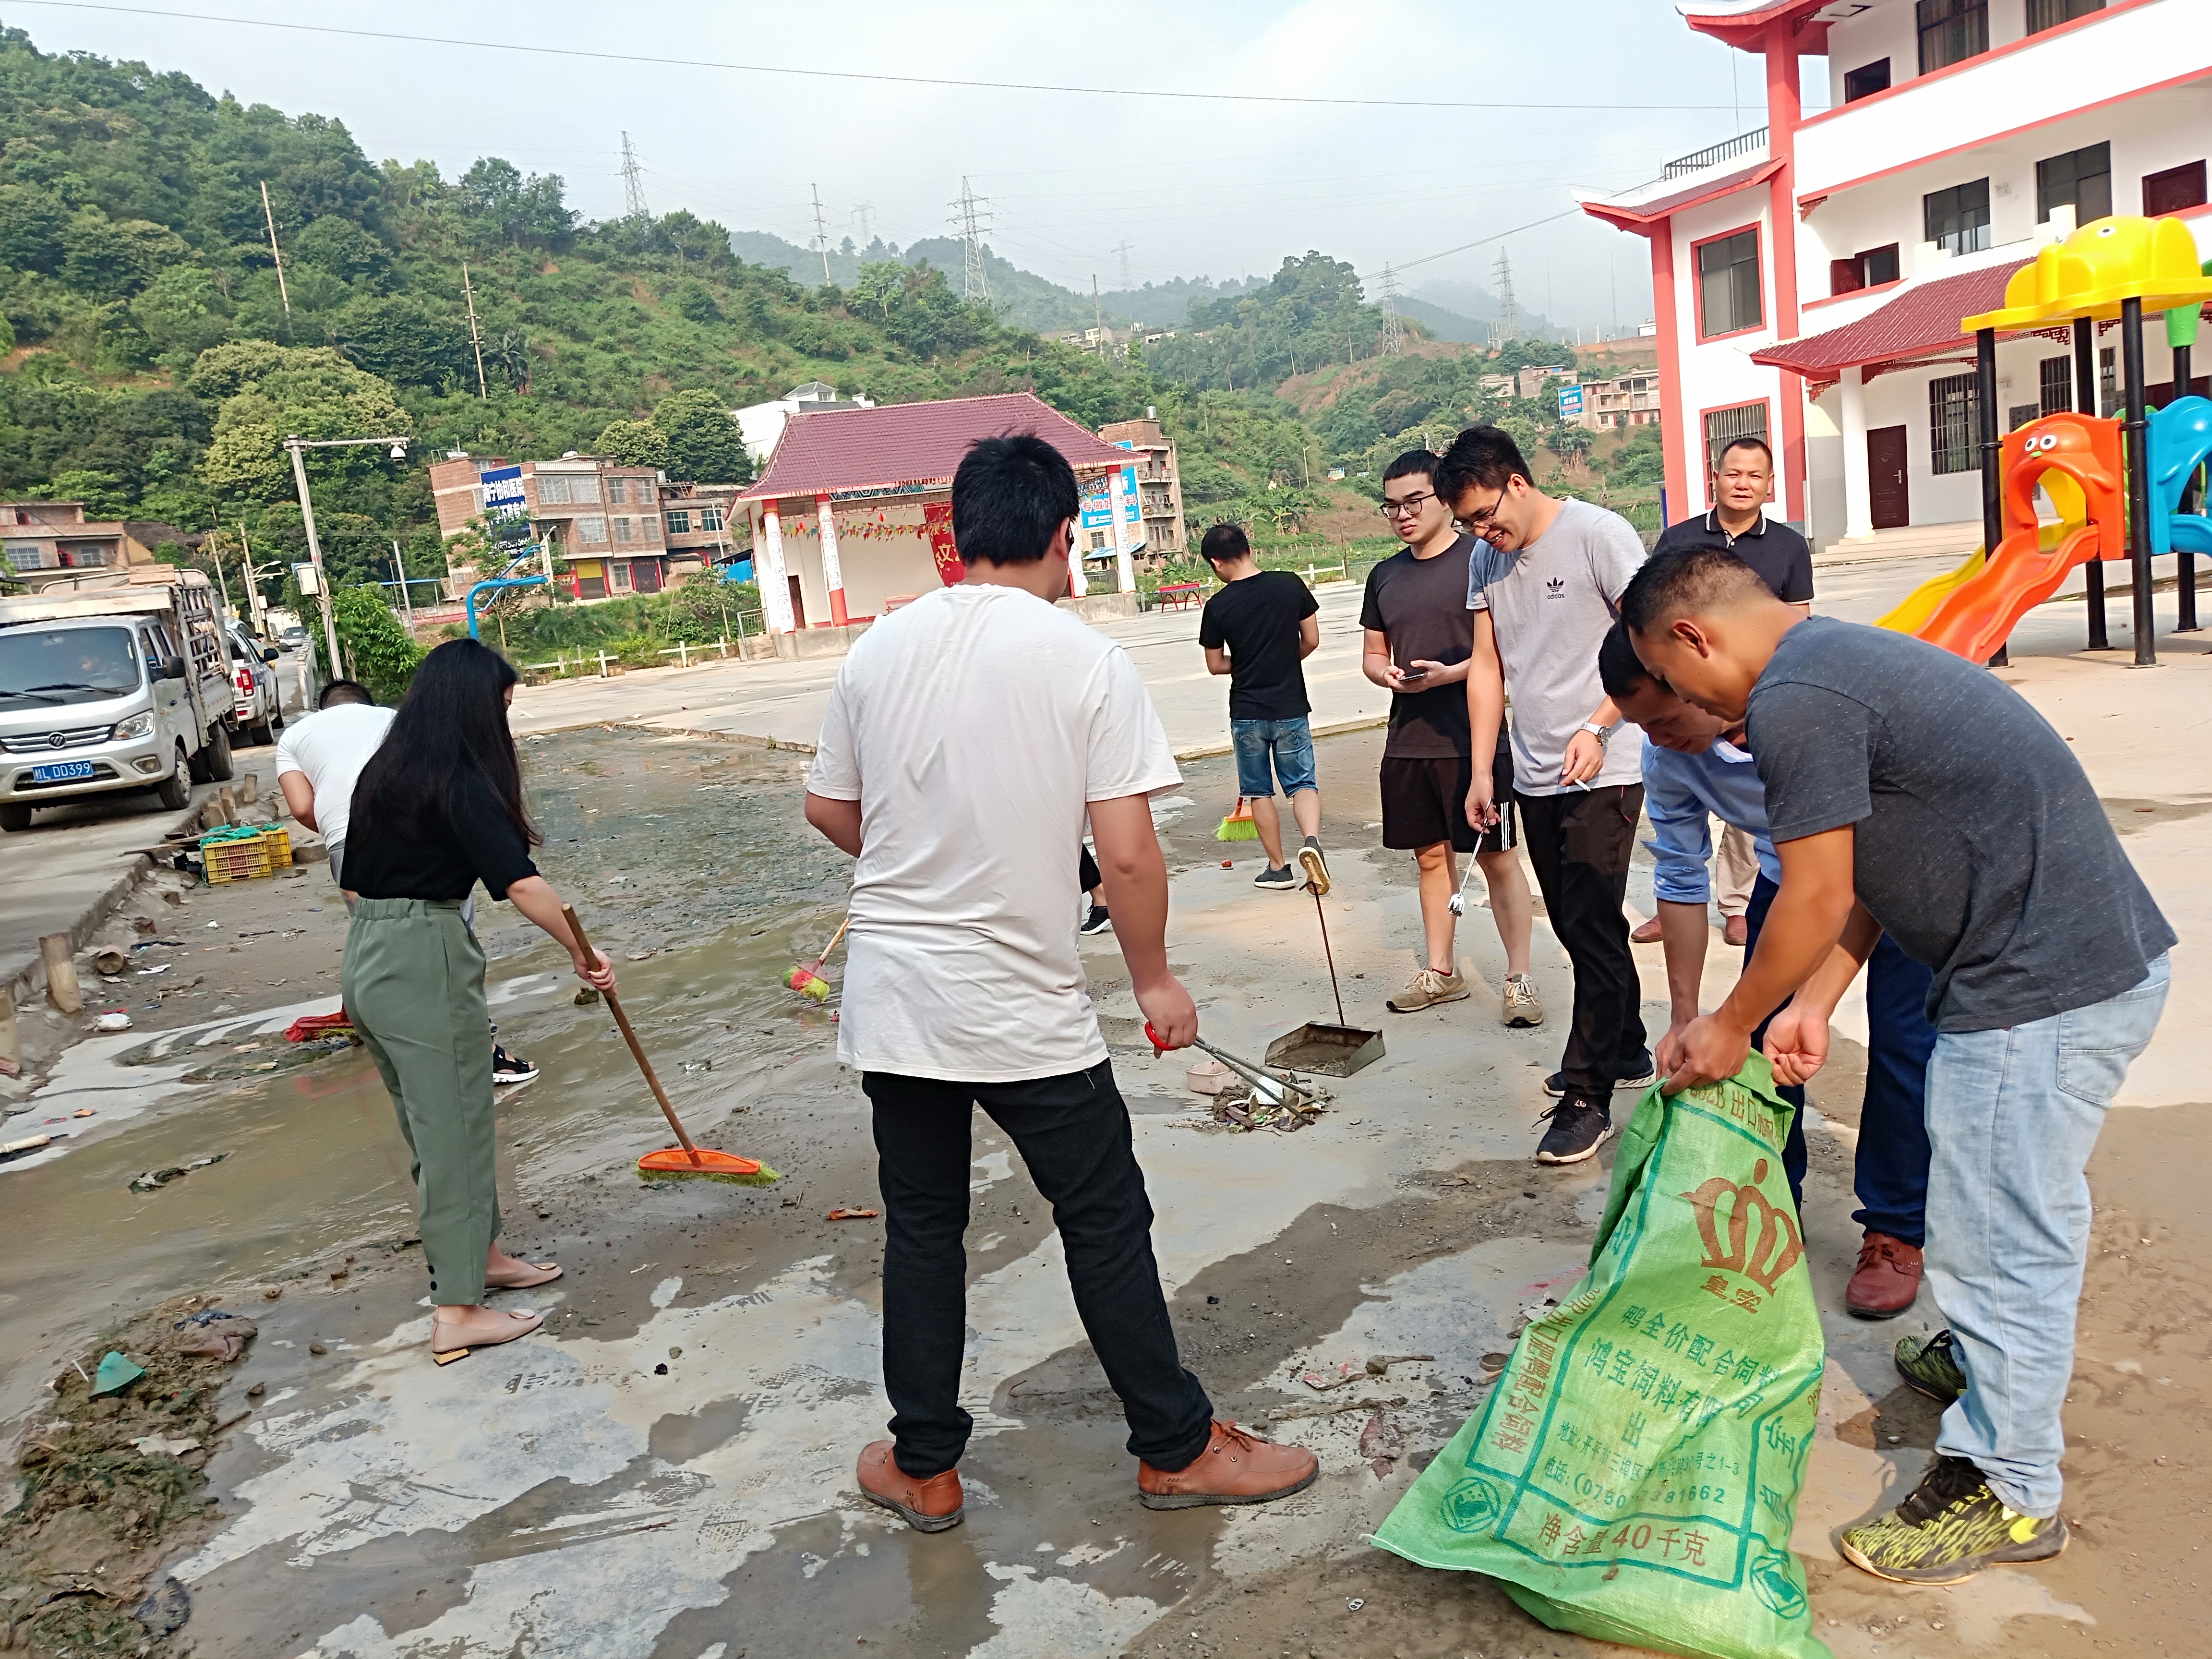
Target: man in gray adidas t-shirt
(1543,585)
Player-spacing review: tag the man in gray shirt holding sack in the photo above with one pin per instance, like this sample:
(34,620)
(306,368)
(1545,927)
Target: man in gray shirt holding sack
(1542,584)
(1911,791)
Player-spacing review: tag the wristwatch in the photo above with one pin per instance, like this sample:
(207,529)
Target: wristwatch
(1601,733)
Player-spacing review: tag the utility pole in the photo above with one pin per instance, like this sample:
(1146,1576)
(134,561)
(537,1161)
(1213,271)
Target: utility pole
(475,336)
(256,606)
(297,447)
(1098,314)
(634,207)
(1393,330)
(1508,316)
(214,552)
(821,234)
(1128,283)
(284,293)
(972,220)
(406,598)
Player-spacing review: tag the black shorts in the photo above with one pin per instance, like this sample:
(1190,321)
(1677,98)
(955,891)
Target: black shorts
(1425,801)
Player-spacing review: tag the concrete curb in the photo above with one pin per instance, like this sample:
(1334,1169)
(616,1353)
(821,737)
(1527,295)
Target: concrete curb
(1329,729)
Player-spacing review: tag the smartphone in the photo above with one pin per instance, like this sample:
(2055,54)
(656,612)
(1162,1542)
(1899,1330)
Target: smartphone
(1412,676)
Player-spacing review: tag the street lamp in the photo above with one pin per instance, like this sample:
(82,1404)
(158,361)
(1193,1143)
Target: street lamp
(298,447)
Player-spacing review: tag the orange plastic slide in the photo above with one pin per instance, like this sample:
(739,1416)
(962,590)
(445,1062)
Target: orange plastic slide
(1980,613)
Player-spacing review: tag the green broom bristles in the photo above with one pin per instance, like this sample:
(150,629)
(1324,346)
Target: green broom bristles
(1239,825)
(765,1177)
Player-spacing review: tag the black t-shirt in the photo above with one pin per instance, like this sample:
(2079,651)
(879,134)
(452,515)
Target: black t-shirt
(1257,618)
(1977,842)
(474,838)
(1421,605)
(1779,554)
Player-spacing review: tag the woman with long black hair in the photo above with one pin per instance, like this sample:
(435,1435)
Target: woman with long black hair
(438,808)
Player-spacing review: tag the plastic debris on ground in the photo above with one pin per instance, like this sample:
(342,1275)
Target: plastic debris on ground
(853,1215)
(115,1374)
(151,1179)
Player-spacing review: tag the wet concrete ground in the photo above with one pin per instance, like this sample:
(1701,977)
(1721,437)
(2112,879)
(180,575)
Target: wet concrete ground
(668,1470)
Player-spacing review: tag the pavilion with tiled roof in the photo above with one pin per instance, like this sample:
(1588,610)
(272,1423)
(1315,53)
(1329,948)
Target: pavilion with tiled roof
(853,511)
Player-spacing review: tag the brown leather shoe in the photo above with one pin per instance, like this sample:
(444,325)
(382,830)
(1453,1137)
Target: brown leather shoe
(930,1505)
(1235,1467)
(1646,933)
(1887,1280)
(1735,930)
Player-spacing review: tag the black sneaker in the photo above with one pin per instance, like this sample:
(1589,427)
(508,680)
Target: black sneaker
(506,1068)
(1647,1074)
(1950,1529)
(1095,920)
(1281,880)
(1579,1126)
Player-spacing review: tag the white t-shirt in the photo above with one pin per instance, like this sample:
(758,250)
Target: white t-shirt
(329,748)
(1552,605)
(972,726)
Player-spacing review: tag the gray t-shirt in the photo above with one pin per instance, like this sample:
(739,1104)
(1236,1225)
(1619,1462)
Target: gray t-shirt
(1551,606)
(1980,846)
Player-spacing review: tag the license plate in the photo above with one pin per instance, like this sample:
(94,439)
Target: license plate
(59,770)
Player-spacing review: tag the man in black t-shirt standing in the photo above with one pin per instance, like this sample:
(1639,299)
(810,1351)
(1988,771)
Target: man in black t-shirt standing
(1419,634)
(1258,629)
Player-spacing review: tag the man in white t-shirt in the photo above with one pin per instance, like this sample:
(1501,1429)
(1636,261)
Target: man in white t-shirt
(1544,583)
(968,735)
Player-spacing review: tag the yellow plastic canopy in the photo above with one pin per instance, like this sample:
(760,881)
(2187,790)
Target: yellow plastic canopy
(2107,261)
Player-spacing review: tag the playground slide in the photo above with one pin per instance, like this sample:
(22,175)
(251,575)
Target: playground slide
(1980,612)
(1912,613)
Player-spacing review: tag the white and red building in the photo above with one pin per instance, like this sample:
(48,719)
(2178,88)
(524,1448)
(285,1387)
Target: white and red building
(1808,277)
(854,512)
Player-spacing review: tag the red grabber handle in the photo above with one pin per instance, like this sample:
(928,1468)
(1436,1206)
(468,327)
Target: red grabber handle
(1153,1037)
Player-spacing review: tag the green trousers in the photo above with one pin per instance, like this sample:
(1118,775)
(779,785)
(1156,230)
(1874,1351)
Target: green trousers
(413,984)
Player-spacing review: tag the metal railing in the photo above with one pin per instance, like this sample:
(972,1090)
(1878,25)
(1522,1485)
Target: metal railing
(1714,155)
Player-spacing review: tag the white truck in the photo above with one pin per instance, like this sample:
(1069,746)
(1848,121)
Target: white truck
(113,682)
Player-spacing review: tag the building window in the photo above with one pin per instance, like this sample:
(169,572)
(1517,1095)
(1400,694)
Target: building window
(2108,381)
(1727,284)
(679,522)
(477,500)
(2020,414)
(642,492)
(83,555)
(1866,81)
(584,489)
(591,527)
(2081,178)
(620,571)
(1953,423)
(615,491)
(1958,219)
(625,529)
(552,490)
(651,522)
(2054,379)
(2050,14)
(1724,426)
(2174,190)
(1952,30)
(1868,270)
(26,556)
(710,518)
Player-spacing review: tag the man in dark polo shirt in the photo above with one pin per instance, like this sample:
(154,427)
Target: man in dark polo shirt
(1743,480)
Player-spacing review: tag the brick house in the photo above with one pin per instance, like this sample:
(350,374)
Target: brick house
(602,518)
(53,541)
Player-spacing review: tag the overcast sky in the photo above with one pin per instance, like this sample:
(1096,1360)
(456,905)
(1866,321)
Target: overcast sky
(1193,187)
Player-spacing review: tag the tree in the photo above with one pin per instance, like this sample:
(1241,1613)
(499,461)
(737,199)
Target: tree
(702,443)
(381,651)
(405,341)
(879,286)
(315,393)
(633,443)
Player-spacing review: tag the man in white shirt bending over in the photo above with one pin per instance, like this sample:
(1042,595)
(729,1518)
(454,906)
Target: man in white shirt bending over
(968,735)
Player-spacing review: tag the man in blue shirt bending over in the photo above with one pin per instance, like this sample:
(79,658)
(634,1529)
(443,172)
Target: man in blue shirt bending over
(1695,765)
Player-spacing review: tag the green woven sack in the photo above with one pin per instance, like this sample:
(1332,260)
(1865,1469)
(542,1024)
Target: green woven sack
(1634,1474)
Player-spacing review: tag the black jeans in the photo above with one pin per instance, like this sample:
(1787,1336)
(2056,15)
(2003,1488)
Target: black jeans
(1072,1133)
(1579,842)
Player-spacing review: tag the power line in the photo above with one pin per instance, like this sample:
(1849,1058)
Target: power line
(657,62)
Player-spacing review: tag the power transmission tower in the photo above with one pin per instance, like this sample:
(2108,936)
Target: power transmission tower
(971,219)
(633,177)
(1393,330)
(1128,283)
(821,234)
(861,213)
(1508,324)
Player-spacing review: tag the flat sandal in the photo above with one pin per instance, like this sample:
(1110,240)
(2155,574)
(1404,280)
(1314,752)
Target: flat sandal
(524,1325)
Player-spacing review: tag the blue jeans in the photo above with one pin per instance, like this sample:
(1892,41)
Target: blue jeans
(1891,1170)
(2012,1117)
(1269,750)
(1763,893)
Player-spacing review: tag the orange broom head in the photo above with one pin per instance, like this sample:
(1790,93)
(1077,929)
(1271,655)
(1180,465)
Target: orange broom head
(808,983)
(674,1163)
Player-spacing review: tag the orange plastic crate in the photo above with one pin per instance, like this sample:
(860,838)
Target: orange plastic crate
(235,860)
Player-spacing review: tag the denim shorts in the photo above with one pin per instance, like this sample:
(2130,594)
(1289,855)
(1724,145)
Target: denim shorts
(1273,751)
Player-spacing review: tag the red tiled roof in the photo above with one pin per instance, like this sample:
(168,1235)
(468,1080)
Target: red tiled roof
(1919,320)
(1739,24)
(1629,217)
(842,449)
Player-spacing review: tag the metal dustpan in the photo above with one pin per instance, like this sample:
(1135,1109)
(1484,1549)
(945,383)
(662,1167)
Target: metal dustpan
(1337,1050)
(1331,1050)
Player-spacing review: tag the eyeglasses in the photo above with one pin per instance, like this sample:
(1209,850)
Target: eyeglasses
(1408,505)
(1484,515)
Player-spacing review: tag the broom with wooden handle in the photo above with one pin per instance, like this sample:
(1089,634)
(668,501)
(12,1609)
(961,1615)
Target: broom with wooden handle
(682,1161)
